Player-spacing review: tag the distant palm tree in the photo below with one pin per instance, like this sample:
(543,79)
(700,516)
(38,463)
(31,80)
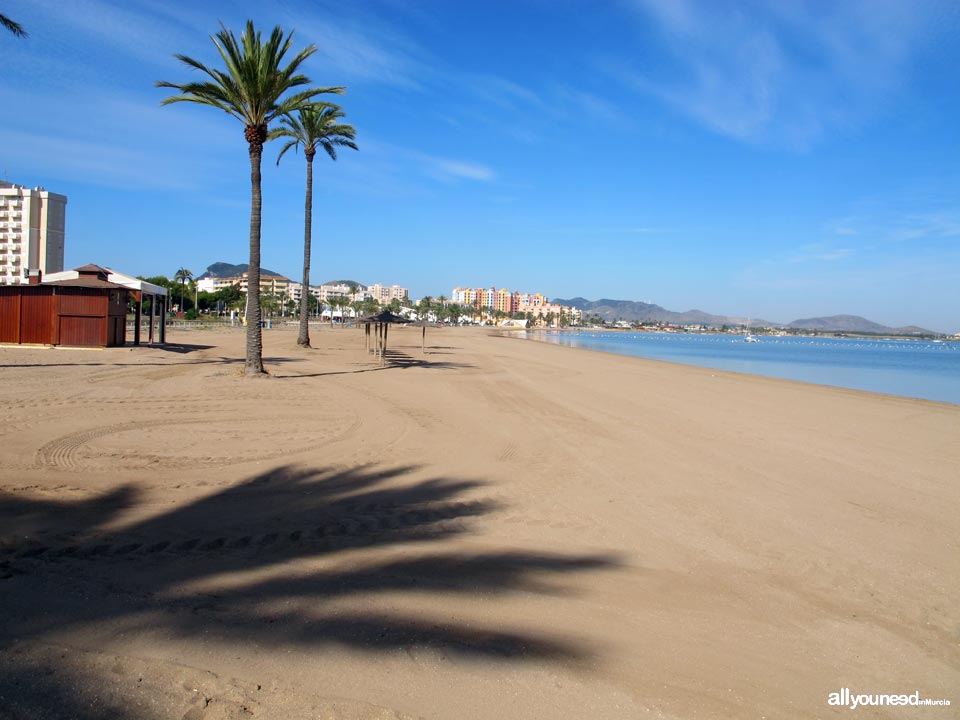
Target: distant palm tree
(182,276)
(250,90)
(313,126)
(424,307)
(14,27)
(332,302)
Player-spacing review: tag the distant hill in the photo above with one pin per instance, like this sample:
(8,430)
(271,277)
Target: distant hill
(854,324)
(633,311)
(226,270)
(352,283)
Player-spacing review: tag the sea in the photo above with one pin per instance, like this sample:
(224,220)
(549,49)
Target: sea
(911,368)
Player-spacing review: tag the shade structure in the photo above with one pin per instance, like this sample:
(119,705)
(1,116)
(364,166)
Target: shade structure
(380,324)
(139,290)
(424,324)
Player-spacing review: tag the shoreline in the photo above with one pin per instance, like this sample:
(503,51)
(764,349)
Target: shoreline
(512,335)
(484,530)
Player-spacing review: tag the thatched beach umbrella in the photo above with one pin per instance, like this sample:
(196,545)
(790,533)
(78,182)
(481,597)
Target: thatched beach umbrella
(424,324)
(380,323)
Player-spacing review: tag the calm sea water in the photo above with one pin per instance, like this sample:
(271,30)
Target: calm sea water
(911,368)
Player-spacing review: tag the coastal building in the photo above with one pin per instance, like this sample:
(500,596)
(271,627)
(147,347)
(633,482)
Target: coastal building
(536,305)
(340,290)
(384,294)
(280,286)
(269,284)
(504,301)
(32,231)
(212,284)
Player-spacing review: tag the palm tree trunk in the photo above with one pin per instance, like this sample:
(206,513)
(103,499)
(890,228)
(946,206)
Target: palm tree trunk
(304,337)
(254,361)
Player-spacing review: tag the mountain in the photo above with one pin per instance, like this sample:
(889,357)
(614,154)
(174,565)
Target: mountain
(226,270)
(633,311)
(854,324)
(352,283)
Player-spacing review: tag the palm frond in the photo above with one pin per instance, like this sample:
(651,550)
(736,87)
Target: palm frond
(314,127)
(254,79)
(14,27)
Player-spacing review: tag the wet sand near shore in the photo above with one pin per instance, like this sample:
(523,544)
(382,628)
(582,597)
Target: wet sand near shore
(490,529)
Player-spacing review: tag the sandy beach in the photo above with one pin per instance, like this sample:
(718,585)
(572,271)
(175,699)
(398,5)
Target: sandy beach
(491,529)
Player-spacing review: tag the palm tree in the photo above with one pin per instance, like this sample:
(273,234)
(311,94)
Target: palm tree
(424,307)
(14,27)
(182,276)
(333,302)
(251,90)
(313,126)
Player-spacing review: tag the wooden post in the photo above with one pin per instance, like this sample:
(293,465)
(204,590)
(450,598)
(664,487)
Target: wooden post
(163,321)
(138,314)
(423,341)
(386,328)
(153,312)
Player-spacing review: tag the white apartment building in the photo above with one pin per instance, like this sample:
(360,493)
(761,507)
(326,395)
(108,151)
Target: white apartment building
(212,284)
(32,227)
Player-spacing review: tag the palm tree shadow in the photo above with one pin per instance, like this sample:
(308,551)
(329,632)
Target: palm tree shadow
(280,538)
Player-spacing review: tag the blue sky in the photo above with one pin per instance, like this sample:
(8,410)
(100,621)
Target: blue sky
(774,160)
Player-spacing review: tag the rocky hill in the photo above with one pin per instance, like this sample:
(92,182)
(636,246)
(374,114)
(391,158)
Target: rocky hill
(226,270)
(854,324)
(633,311)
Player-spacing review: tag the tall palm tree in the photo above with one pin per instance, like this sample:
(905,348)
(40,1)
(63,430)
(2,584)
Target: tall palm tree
(314,126)
(251,90)
(14,27)
(182,276)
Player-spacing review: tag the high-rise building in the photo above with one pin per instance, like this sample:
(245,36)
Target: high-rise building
(32,226)
(383,294)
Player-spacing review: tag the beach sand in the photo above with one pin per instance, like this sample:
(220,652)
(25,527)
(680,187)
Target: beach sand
(492,529)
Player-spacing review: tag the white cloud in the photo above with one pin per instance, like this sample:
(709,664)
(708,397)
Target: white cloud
(928,226)
(776,72)
(454,169)
(357,47)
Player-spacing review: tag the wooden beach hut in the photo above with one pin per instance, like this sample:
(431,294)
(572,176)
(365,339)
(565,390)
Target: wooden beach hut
(85,307)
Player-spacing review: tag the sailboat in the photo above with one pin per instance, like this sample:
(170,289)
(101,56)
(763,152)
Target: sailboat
(747,337)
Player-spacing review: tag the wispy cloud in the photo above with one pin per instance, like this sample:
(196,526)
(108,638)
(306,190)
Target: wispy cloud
(458,169)
(357,46)
(442,168)
(135,32)
(814,254)
(104,163)
(776,72)
(933,225)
